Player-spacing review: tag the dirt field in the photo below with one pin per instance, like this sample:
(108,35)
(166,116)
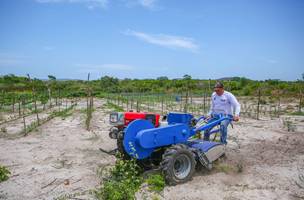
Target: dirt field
(61,159)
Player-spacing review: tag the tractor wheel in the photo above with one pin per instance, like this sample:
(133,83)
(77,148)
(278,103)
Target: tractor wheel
(120,146)
(153,161)
(178,164)
(145,164)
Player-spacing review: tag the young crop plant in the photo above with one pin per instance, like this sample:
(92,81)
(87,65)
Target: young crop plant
(156,182)
(4,173)
(123,181)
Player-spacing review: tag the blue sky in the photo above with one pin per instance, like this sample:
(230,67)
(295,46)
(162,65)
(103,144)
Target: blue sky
(258,39)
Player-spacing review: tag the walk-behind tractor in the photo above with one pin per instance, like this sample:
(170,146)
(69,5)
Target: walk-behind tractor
(173,145)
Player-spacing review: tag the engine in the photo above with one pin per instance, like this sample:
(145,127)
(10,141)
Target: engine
(119,120)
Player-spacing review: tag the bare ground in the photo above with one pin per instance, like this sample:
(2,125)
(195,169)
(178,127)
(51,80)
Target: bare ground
(262,162)
(61,159)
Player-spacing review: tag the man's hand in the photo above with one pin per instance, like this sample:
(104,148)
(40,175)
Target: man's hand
(207,118)
(236,118)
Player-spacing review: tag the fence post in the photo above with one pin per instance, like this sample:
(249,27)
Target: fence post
(19,107)
(127,97)
(162,105)
(2,99)
(258,107)
(204,101)
(279,105)
(35,98)
(13,99)
(50,97)
(300,102)
(23,116)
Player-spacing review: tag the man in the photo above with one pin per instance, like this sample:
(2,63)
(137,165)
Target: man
(223,102)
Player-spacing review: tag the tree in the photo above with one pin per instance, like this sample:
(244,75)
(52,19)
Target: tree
(162,78)
(51,86)
(52,78)
(187,77)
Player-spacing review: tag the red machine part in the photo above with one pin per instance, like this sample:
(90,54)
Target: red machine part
(130,116)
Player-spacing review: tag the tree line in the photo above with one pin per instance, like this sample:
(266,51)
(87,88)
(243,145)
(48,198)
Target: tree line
(14,88)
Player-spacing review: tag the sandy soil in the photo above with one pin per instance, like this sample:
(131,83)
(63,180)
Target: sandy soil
(61,159)
(13,124)
(271,158)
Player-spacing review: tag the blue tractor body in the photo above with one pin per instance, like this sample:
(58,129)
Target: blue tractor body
(141,138)
(203,146)
(179,118)
(179,149)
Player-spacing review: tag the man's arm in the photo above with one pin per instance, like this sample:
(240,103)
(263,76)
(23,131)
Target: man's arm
(236,106)
(211,107)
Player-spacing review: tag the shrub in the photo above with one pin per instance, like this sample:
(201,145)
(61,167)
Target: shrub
(156,182)
(4,173)
(122,183)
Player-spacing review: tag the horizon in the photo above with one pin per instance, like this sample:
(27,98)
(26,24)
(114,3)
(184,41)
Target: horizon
(176,78)
(146,39)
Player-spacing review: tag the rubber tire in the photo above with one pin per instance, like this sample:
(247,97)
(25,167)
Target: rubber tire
(120,146)
(169,158)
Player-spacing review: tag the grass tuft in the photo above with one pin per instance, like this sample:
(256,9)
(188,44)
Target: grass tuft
(4,173)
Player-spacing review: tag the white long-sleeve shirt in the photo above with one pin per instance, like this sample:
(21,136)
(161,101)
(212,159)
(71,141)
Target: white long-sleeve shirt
(224,104)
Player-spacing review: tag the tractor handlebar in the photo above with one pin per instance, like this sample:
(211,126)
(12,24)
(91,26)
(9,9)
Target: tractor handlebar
(204,124)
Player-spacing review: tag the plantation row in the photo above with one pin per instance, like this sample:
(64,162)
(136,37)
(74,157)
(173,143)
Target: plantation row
(13,124)
(25,98)
(14,89)
(253,107)
(33,115)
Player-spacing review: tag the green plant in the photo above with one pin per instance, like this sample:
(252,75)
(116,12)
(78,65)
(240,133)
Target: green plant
(122,182)
(3,130)
(239,167)
(89,117)
(32,126)
(155,197)
(298,113)
(63,113)
(114,107)
(289,125)
(29,106)
(156,182)
(4,173)
(263,101)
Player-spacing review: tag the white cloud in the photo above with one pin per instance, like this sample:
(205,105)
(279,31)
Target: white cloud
(169,41)
(147,3)
(90,4)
